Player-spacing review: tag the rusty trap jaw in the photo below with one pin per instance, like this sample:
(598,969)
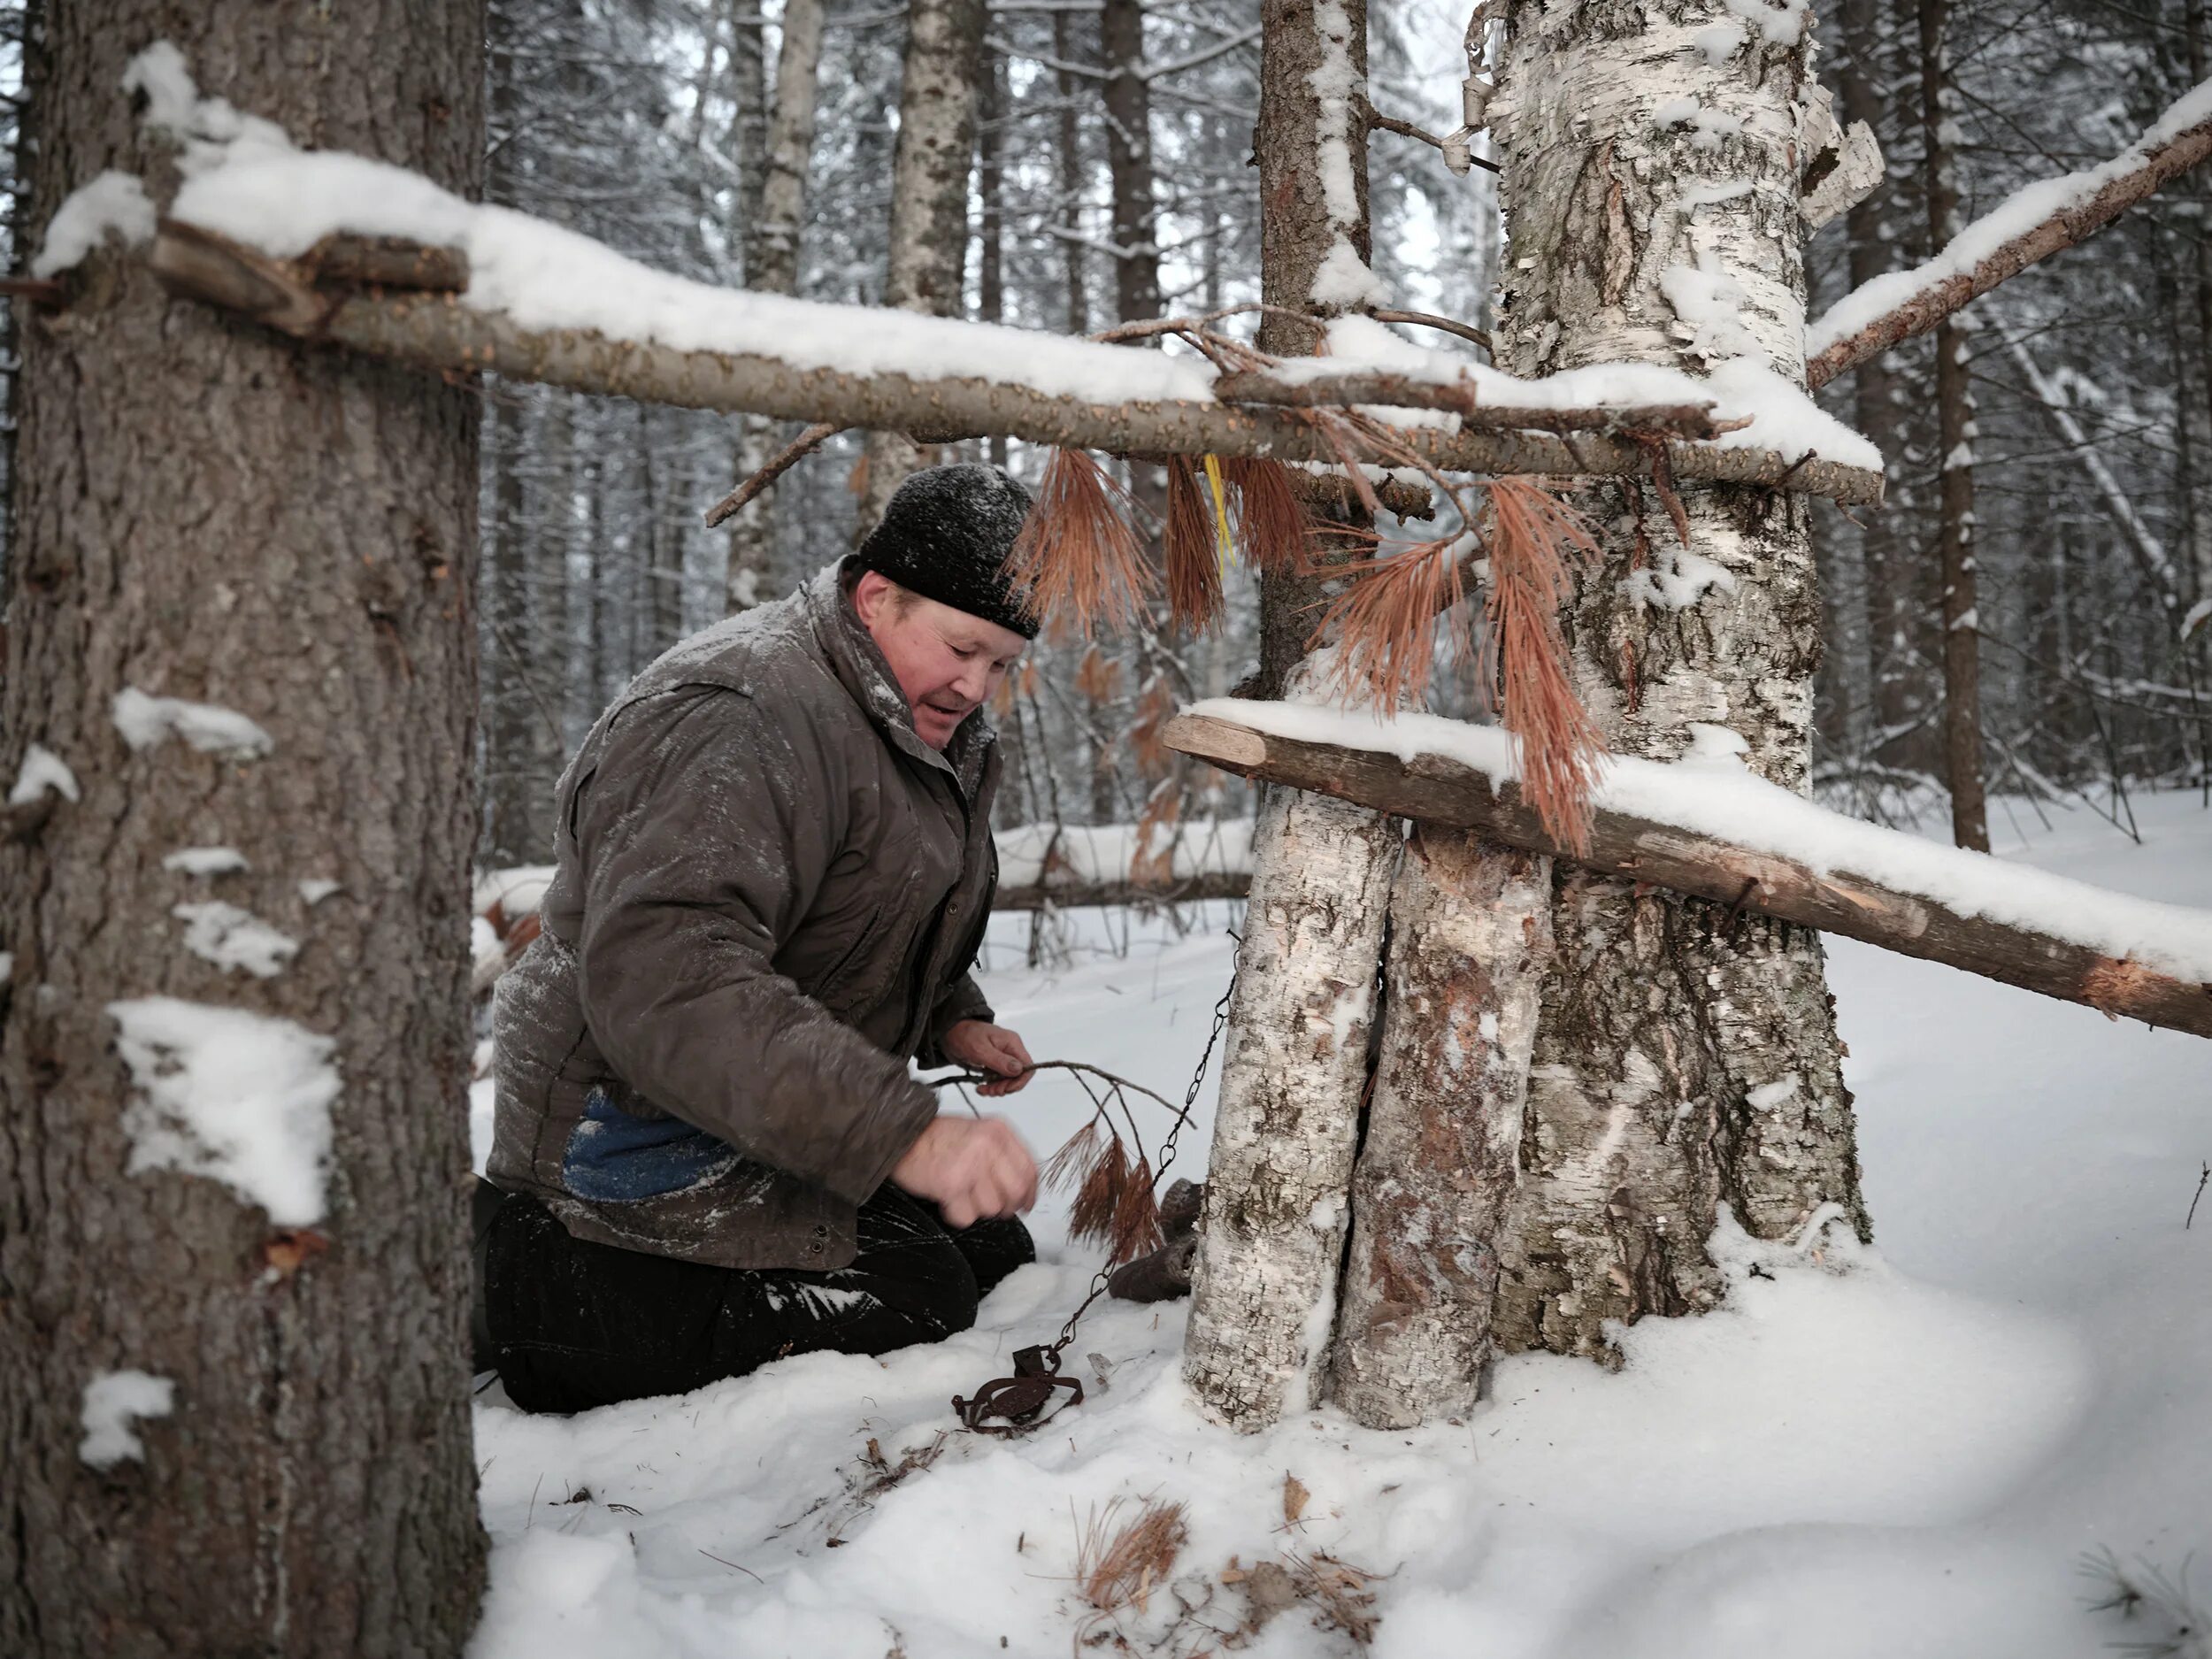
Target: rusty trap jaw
(1021,1398)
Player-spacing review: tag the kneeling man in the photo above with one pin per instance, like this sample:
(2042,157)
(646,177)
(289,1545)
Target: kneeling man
(774,866)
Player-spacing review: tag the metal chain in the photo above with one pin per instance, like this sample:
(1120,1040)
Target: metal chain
(1167,1158)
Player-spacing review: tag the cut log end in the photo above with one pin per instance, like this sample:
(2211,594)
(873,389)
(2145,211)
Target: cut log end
(1231,748)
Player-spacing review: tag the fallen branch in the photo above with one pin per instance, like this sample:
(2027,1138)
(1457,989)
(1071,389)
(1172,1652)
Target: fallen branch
(1437,789)
(439,332)
(1428,320)
(1399,391)
(805,444)
(2059,213)
(1067,896)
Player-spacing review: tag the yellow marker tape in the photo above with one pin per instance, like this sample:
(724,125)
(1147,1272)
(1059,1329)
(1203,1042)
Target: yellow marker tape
(1221,512)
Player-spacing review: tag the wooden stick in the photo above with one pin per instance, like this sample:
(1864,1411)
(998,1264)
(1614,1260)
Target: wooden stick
(437,332)
(2067,227)
(1434,789)
(1400,391)
(1427,319)
(812,439)
(1067,896)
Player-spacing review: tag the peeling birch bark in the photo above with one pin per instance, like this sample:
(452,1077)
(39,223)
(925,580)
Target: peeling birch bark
(1470,931)
(929,201)
(1272,1242)
(1687,1056)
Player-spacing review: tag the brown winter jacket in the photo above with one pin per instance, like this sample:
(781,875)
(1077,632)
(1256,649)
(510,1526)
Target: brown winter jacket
(767,893)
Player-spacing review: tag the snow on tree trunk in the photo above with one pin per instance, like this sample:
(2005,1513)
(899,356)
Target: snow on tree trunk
(223,1435)
(929,197)
(1687,1057)
(771,266)
(1470,926)
(1271,1240)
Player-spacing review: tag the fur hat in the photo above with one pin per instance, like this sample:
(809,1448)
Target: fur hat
(946,534)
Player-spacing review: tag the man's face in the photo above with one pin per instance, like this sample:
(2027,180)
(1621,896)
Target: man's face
(947,662)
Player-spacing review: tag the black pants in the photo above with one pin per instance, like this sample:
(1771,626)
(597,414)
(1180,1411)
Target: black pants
(576,1324)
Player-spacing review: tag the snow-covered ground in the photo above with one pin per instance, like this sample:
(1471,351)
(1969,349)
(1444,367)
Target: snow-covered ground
(1909,1456)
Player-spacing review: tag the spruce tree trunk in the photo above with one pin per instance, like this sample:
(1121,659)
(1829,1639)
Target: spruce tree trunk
(1470,941)
(929,198)
(212,513)
(1955,446)
(1685,1058)
(1129,160)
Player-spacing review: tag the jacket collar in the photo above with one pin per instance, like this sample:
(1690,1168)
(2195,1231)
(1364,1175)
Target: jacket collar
(862,670)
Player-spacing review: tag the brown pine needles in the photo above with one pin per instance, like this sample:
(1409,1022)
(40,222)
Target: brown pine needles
(1114,1202)
(1194,565)
(1384,621)
(1273,525)
(1117,1567)
(1536,543)
(1078,554)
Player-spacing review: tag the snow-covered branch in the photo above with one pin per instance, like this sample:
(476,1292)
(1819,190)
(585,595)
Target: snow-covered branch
(1705,827)
(938,378)
(2033,223)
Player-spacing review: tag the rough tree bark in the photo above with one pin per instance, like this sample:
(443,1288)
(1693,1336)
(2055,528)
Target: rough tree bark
(1955,446)
(1129,159)
(1898,628)
(213,513)
(1470,939)
(772,265)
(1293,1075)
(1685,1058)
(929,198)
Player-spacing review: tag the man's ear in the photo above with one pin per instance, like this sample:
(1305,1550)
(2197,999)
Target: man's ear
(871,594)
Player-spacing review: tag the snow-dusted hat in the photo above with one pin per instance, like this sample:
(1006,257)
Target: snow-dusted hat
(946,534)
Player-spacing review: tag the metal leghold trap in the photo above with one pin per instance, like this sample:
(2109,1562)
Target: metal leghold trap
(1023,1403)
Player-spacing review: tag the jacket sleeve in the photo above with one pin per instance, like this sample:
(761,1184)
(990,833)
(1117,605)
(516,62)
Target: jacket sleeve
(703,835)
(962,997)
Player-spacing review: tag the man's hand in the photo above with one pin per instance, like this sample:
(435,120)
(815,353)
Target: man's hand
(982,1047)
(970,1168)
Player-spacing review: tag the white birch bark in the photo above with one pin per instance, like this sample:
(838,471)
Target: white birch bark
(1272,1239)
(1471,931)
(1685,1057)
(772,265)
(929,197)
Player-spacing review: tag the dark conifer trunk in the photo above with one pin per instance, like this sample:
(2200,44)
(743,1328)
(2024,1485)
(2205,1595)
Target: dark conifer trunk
(210,512)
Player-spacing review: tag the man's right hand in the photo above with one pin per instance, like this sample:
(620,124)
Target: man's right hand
(970,1168)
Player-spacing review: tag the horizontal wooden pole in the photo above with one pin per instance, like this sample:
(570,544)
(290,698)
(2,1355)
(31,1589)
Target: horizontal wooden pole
(436,331)
(1437,790)
(1068,895)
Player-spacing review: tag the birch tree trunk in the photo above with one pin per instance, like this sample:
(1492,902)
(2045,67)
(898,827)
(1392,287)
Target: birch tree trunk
(929,197)
(772,265)
(212,514)
(1685,1058)
(1955,446)
(1470,939)
(1271,1240)
(1264,1284)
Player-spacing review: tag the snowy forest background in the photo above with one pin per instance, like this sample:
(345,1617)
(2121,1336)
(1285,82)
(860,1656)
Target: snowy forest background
(641,123)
